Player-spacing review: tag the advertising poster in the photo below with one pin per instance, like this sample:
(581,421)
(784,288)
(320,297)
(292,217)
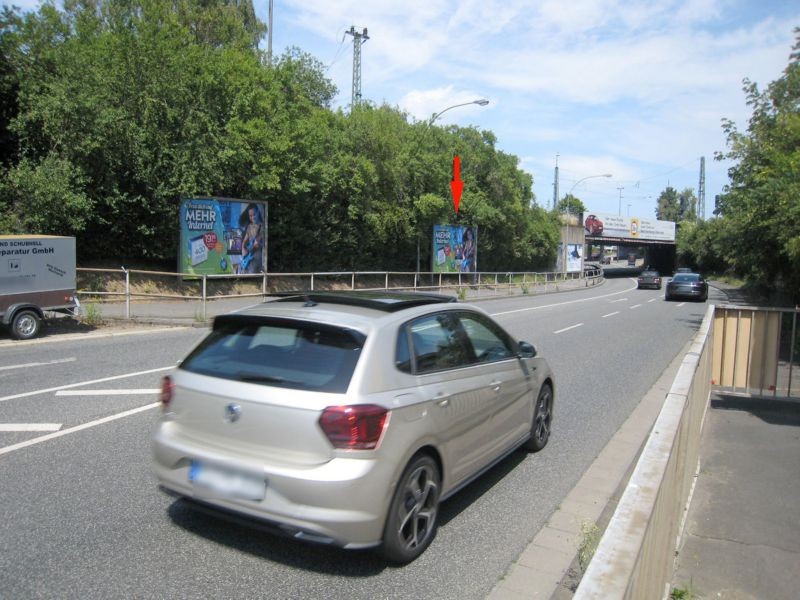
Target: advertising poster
(455,249)
(574,256)
(222,236)
(616,226)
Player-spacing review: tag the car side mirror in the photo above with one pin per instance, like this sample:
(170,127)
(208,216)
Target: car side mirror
(526,350)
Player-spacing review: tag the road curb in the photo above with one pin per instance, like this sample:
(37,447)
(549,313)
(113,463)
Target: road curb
(549,568)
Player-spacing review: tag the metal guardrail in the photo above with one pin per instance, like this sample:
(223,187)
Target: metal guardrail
(132,285)
(756,351)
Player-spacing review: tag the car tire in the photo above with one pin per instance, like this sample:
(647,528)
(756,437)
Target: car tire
(667,297)
(542,420)
(412,520)
(25,325)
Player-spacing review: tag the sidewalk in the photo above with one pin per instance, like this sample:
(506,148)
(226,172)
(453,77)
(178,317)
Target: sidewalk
(742,535)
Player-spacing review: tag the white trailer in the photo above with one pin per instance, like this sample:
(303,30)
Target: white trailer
(37,274)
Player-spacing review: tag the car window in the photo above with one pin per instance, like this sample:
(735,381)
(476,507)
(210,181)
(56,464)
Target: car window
(686,277)
(488,341)
(282,353)
(437,343)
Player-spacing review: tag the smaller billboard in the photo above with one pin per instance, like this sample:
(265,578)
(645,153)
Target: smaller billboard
(222,236)
(455,249)
(616,226)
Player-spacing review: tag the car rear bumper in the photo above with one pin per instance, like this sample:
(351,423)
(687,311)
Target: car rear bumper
(342,502)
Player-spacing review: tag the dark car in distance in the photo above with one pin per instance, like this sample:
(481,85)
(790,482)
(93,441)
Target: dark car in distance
(687,285)
(649,279)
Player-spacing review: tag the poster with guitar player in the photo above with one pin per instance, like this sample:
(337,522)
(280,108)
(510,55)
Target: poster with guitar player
(223,236)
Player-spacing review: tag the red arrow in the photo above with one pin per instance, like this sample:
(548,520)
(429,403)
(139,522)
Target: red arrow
(457,186)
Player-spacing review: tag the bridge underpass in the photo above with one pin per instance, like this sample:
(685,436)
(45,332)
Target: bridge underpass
(656,254)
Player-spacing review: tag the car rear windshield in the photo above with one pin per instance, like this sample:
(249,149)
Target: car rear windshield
(686,277)
(278,352)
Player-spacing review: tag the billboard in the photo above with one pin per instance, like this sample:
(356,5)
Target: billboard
(616,226)
(455,249)
(569,258)
(222,236)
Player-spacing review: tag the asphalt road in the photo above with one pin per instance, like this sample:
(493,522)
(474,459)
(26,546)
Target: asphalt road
(82,517)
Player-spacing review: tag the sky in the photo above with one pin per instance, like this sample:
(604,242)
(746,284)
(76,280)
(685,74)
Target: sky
(635,89)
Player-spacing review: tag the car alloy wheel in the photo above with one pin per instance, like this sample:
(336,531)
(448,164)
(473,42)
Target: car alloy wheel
(412,523)
(542,419)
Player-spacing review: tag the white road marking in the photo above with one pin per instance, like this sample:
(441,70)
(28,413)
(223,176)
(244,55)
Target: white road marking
(620,300)
(568,328)
(680,304)
(30,426)
(58,434)
(71,337)
(508,312)
(107,392)
(39,364)
(610,314)
(81,383)
(652,299)
(635,306)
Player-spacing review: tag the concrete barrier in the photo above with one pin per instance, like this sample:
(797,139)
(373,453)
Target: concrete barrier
(634,558)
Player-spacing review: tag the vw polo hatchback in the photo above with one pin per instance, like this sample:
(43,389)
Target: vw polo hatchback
(346,419)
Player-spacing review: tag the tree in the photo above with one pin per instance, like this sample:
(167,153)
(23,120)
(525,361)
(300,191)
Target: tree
(570,204)
(677,207)
(760,205)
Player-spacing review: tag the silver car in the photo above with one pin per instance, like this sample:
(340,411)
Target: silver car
(346,419)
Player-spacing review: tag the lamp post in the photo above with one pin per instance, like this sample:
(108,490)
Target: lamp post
(619,209)
(584,179)
(436,115)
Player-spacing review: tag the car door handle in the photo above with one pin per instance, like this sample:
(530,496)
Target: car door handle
(443,400)
(496,385)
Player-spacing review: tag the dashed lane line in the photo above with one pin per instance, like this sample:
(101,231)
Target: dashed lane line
(82,383)
(139,392)
(6,427)
(568,328)
(39,364)
(63,432)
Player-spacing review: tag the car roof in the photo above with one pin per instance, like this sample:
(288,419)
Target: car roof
(361,311)
(388,301)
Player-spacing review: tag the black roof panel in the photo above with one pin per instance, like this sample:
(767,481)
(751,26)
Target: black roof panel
(386,301)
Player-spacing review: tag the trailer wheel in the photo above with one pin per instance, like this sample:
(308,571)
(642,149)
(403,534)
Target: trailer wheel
(26,325)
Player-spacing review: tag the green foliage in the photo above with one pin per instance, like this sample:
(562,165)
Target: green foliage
(760,207)
(590,538)
(91,314)
(570,204)
(115,110)
(677,207)
(45,197)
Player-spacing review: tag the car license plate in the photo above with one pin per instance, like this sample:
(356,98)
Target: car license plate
(210,481)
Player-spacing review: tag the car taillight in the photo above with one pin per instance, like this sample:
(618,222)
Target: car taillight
(357,427)
(166,392)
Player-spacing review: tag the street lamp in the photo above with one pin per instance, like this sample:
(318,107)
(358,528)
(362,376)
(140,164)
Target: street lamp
(436,115)
(584,179)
